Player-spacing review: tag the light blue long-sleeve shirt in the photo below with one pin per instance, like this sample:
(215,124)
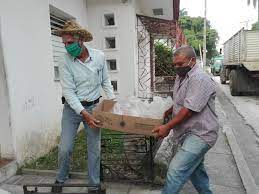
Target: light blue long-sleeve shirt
(83,81)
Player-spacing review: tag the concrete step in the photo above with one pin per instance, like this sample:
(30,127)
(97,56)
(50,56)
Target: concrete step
(8,171)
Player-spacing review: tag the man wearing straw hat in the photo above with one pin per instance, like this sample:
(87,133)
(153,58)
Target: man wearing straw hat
(83,72)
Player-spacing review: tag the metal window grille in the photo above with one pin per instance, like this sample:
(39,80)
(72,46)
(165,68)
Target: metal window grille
(115,85)
(112,64)
(110,43)
(56,23)
(109,19)
(158,12)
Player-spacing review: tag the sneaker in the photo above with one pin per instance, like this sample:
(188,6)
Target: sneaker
(57,188)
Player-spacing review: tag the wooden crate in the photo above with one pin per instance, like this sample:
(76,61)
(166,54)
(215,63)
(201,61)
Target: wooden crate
(123,123)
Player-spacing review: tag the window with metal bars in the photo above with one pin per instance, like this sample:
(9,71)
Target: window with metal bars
(56,23)
(115,85)
(110,42)
(109,19)
(112,64)
(59,50)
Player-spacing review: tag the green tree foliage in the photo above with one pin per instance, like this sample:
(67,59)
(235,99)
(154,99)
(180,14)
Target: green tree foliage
(163,59)
(255,26)
(193,31)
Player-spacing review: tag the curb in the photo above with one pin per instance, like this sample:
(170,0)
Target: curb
(27,171)
(244,172)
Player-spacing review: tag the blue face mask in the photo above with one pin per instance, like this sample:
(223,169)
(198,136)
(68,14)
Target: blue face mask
(74,49)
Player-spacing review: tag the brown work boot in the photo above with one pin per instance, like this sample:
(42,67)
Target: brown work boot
(57,188)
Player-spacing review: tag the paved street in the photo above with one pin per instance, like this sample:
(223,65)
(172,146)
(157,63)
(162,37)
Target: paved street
(247,106)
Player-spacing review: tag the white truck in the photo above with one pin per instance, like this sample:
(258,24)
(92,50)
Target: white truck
(241,63)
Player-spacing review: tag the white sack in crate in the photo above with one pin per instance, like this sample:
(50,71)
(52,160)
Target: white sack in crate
(134,106)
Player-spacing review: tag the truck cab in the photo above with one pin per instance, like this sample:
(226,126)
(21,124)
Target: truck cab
(216,65)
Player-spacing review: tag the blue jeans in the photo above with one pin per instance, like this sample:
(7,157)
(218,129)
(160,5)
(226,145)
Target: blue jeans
(70,123)
(188,163)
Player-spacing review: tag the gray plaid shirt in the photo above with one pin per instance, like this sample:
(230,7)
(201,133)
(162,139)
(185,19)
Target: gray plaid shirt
(197,92)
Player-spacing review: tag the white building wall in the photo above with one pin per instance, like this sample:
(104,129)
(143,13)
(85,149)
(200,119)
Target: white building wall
(6,146)
(34,96)
(138,7)
(34,105)
(125,34)
(146,8)
(76,9)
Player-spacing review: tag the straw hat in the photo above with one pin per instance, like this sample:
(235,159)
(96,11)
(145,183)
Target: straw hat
(71,27)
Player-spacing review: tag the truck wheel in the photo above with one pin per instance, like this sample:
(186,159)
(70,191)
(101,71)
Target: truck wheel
(223,77)
(257,88)
(233,83)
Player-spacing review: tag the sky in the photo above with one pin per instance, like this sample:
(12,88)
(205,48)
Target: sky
(226,16)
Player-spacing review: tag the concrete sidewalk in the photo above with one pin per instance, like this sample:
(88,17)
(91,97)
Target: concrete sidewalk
(219,163)
(241,116)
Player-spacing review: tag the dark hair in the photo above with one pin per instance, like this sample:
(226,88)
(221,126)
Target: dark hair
(186,51)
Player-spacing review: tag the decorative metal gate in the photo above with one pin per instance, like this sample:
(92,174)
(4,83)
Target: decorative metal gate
(150,32)
(127,157)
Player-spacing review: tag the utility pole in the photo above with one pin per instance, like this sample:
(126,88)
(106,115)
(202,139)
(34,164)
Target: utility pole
(204,34)
(201,56)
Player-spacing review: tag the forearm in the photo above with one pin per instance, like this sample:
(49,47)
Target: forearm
(90,120)
(183,115)
(84,112)
(108,89)
(73,101)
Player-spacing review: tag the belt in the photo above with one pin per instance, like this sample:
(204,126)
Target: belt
(84,103)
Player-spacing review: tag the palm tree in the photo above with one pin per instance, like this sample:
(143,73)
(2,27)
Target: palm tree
(255,2)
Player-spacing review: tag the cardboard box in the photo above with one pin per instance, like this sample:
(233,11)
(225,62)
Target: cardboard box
(123,123)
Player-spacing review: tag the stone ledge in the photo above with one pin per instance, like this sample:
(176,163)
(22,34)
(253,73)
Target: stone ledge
(8,171)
